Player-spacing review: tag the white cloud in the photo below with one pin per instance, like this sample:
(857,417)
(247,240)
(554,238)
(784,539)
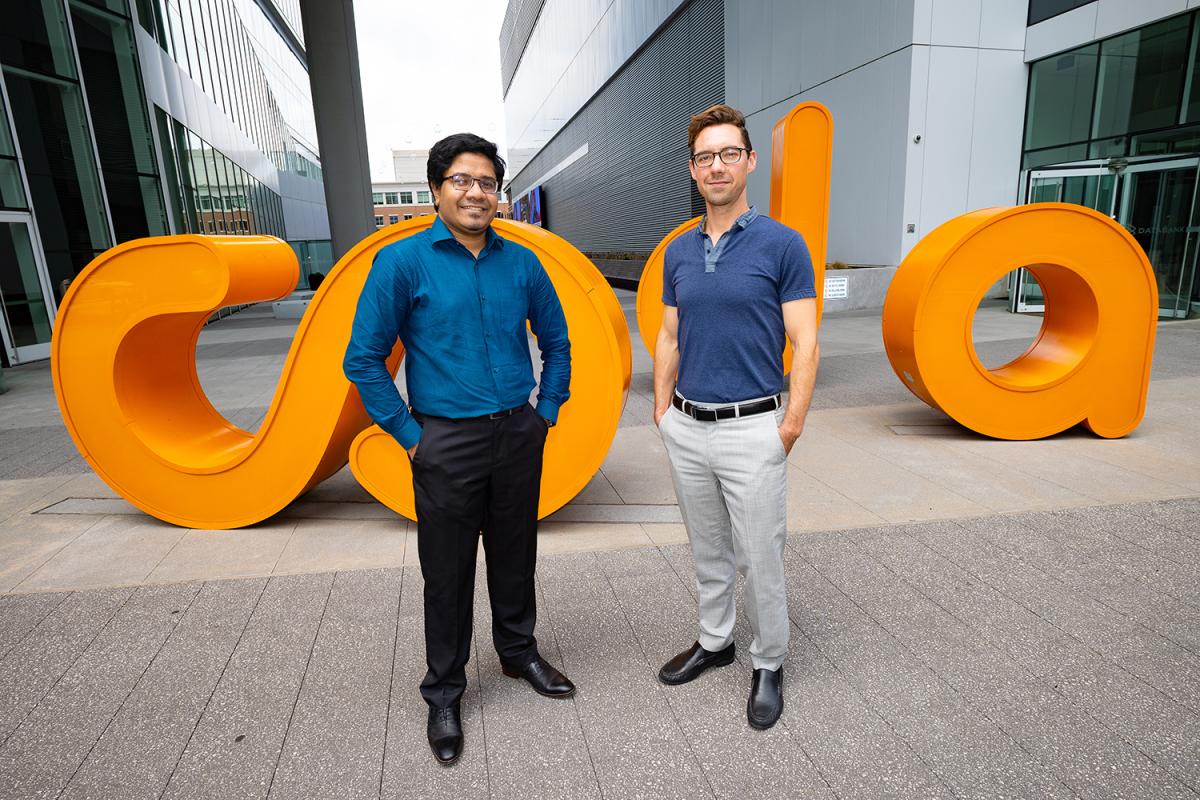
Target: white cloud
(428,70)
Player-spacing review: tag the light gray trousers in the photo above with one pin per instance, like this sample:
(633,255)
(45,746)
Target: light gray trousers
(731,481)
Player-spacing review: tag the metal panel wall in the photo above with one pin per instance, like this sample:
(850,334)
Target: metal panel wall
(519,19)
(632,186)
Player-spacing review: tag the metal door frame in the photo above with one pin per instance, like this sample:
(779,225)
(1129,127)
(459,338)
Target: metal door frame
(31,352)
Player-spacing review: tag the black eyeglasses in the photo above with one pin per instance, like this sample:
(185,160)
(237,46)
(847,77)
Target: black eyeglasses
(464,182)
(729,155)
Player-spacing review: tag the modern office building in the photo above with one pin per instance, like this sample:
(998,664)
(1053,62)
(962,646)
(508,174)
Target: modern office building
(940,107)
(409,194)
(130,118)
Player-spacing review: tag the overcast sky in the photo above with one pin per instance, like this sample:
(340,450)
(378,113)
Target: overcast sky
(429,69)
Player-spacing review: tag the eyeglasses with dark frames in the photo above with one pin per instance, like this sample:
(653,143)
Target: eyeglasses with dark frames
(729,155)
(463,182)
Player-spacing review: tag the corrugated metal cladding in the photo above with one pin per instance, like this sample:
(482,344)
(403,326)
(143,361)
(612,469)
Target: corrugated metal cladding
(519,20)
(633,185)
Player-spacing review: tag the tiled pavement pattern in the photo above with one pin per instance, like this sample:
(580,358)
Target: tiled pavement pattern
(1042,655)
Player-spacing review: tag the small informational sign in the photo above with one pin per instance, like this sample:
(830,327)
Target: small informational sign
(837,287)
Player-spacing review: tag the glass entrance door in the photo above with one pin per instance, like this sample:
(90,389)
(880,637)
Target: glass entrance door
(1155,200)
(1094,187)
(1158,206)
(26,304)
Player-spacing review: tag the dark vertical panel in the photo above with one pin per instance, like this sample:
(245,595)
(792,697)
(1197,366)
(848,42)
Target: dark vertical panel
(632,187)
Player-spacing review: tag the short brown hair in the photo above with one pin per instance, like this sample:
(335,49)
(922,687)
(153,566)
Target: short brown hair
(719,114)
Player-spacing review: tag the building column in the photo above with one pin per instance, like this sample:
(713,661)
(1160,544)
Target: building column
(332,49)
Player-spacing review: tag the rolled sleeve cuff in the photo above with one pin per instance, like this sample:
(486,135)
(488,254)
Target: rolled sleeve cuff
(408,434)
(548,409)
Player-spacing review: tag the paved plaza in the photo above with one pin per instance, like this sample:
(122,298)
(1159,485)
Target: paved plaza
(970,618)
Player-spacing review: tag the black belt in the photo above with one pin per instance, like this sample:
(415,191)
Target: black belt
(508,412)
(726,412)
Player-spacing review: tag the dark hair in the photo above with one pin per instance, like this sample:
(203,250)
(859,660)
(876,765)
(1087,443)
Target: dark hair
(442,155)
(719,114)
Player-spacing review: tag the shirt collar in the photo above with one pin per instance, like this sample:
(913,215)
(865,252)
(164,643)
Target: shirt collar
(440,233)
(742,222)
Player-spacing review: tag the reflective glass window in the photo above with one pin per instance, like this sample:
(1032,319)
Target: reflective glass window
(108,57)
(406,198)
(34,36)
(1061,90)
(1141,78)
(377,198)
(392,198)
(424,197)
(64,186)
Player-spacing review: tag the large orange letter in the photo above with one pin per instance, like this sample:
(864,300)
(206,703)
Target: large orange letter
(801,160)
(125,375)
(1091,360)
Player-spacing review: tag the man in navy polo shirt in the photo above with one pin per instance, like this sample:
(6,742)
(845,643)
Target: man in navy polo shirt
(458,296)
(733,289)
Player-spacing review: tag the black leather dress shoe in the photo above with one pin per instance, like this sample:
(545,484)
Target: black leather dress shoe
(544,679)
(445,734)
(766,698)
(688,665)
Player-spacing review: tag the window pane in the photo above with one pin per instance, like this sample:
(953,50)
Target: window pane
(423,197)
(1041,10)
(1141,78)
(33,35)
(392,198)
(12,193)
(1054,155)
(1060,99)
(406,198)
(21,288)
(377,198)
(64,187)
(121,122)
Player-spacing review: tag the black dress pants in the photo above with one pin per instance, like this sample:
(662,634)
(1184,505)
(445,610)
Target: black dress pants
(471,477)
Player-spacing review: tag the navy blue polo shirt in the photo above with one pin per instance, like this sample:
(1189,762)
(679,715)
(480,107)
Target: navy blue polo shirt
(731,333)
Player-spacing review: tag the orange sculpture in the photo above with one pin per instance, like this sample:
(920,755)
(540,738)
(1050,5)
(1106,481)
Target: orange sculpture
(801,162)
(124,370)
(601,360)
(1091,361)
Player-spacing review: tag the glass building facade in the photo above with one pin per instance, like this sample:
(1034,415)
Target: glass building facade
(1115,125)
(122,119)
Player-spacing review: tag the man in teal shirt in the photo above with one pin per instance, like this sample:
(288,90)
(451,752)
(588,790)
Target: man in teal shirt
(458,296)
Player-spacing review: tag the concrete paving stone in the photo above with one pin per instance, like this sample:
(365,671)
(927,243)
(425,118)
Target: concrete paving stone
(1090,477)
(945,461)
(213,555)
(305,508)
(621,512)
(28,542)
(661,534)
(341,487)
(813,505)
(637,746)
(598,491)
(334,744)
(637,467)
(138,750)
(858,753)
(536,745)
(42,755)
(576,537)
(737,760)
(1162,729)
(238,741)
(1181,516)
(1091,757)
(324,545)
(92,507)
(626,563)
(116,551)
(16,495)
(1179,466)
(891,492)
(32,666)
(409,769)
(20,614)
(967,750)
